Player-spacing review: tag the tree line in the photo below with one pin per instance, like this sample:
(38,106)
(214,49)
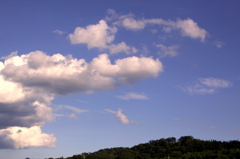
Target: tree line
(186,147)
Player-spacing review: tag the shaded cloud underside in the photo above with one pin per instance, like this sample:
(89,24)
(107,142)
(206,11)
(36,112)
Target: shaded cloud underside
(31,81)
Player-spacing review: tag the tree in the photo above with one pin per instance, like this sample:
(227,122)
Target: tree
(171,140)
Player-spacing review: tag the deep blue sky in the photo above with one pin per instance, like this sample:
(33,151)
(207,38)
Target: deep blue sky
(138,71)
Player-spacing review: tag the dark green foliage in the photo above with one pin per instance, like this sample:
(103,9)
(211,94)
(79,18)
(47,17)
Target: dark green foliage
(186,147)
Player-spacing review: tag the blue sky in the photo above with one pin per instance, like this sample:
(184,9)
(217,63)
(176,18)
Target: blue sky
(79,76)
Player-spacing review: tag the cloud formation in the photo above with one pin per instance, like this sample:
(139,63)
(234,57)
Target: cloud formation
(168,50)
(133,95)
(100,36)
(60,32)
(186,27)
(12,54)
(206,86)
(21,137)
(219,44)
(120,116)
(64,75)
(29,82)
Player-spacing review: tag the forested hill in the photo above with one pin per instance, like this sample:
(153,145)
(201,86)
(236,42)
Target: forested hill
(186,147)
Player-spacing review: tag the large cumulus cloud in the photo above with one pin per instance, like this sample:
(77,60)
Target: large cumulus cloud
(28,84)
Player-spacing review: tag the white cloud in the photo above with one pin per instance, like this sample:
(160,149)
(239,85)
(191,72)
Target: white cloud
(121,47)
(168,51)
(190,28)
(28,84)
(64,75)
(110,111)
(154,31)
(213,127)
(215,83)
(127,70)
(12,54)
(111,15)
(60,32)
(72,116)
(177,118)
(56,74)
(219,44)
(21,106)
(206,86)
(121,117)
(187,27)
(133,24)
(204,126)
(22,137)
(100,36)
(133,95)
(75,109)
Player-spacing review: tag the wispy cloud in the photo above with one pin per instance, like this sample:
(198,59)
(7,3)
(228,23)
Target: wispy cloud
(120,116)
(177,118)
(133,95)
(168,50)
(206,86)
(12,54)
(219,44)
(60,32)
(186,27)
(205,126)
(74,109)
(72,115)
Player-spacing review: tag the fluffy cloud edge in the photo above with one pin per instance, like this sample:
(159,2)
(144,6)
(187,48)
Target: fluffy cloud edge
(100,36)
(22,137)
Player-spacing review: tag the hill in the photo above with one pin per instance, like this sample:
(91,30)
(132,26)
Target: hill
(186,147)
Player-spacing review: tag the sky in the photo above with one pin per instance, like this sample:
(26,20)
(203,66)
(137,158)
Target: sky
(79,76)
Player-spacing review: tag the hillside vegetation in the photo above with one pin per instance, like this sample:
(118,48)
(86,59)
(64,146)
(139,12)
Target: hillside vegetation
(186,147)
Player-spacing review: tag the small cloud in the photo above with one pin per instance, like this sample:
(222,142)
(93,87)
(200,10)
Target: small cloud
(177,118)
(59,115)
(111,15)
(168,51)
(110,111)
(12,54)
(213,127)
(145,50)
(121,117)
(60,32)
(75,109)
(215,83)
(133,95)
(219,44)
(190,28)
(82,101)
(204,126)
(154,31)
(72,116)
(206,86)
(100,36)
